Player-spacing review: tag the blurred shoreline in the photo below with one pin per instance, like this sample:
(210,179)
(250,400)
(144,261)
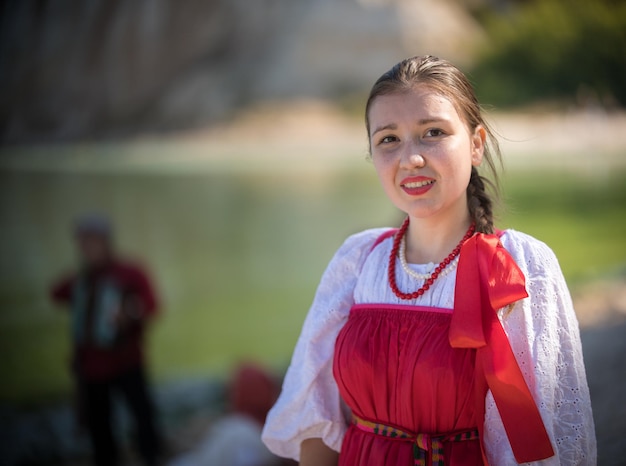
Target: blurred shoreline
(316,136)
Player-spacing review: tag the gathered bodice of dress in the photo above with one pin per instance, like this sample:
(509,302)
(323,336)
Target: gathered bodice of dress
(394,365)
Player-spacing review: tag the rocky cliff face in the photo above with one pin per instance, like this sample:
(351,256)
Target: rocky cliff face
(90,68)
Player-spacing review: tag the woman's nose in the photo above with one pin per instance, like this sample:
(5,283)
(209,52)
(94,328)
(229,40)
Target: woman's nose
(411,158)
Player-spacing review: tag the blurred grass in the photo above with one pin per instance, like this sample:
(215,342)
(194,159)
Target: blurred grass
(581,217)
(237,256)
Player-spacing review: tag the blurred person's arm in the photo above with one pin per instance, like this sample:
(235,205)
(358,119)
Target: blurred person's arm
(139,301)
(313,452)
(145,302)
(61,291)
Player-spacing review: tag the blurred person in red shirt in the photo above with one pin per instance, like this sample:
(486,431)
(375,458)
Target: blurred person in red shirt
(110,302)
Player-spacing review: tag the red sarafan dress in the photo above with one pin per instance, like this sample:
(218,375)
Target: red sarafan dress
(408,377)
(394,365)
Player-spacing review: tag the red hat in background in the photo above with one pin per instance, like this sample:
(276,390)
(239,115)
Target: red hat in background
(253,391)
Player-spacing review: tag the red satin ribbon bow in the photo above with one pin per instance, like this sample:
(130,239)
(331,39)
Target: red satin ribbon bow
(487,280)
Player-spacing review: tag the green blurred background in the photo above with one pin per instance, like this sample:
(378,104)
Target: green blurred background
(237,255)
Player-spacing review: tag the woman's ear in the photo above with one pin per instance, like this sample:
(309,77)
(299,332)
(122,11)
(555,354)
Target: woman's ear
(478,145)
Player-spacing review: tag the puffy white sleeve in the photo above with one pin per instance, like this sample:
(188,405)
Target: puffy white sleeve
(309,405)
(544,335)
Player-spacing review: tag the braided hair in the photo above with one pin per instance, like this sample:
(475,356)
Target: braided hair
(446,79)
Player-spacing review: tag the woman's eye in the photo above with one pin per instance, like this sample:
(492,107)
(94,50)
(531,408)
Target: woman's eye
(433,133)
(388,139)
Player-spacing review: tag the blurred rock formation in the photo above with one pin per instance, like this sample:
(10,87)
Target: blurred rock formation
(74,69)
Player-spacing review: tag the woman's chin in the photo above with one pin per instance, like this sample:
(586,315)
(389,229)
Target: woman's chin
(420,211)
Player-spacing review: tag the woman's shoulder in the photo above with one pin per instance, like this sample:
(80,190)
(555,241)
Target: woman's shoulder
(356,248)
(532,255)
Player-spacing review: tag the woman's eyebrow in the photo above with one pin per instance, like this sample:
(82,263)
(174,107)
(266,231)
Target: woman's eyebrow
(391,126)
(428,121)
(422,122)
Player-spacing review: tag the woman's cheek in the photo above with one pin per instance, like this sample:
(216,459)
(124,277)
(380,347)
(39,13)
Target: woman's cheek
(380,163)
(388,171)
(387,159)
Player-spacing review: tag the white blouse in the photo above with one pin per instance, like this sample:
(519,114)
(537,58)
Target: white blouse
(542,329)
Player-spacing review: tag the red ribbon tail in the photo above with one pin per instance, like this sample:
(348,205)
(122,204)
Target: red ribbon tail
(518,410)
(496,281)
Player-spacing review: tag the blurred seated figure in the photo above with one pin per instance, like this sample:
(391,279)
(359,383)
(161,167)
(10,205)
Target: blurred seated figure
(235,439)
(110,301)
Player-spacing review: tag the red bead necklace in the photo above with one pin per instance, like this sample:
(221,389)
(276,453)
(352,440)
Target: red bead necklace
(430,280)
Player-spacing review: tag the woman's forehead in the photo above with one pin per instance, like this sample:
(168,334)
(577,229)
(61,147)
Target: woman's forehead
(418,103)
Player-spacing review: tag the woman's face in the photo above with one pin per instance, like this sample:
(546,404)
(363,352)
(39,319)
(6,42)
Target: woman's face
(423,152)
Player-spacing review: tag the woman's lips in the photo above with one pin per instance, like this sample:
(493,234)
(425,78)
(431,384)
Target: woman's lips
(416,186)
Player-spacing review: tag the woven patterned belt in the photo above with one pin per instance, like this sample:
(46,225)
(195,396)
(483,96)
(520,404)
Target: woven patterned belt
(425,447)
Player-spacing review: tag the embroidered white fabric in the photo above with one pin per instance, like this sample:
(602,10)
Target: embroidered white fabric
(543,331)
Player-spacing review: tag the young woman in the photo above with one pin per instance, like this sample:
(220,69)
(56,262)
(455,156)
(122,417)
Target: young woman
(446,342)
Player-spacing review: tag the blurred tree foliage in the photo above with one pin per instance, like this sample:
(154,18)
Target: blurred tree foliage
(564,50)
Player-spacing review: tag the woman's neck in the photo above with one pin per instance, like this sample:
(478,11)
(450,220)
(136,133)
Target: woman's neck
(432,240)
